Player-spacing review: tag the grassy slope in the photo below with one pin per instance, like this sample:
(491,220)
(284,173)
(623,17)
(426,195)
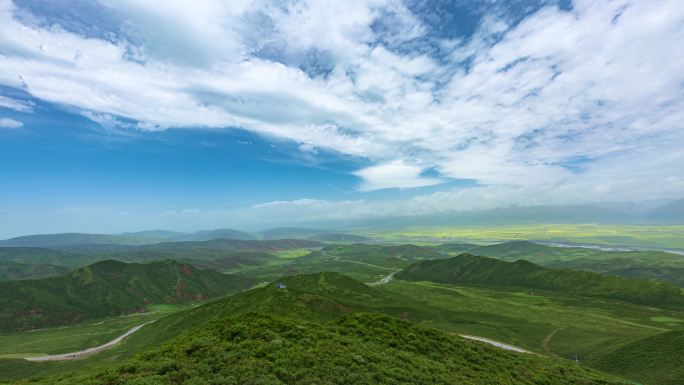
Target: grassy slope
(107,288)
(356,349)
(470,269)
(655,360)
(507,315)
(321,298)
(15,271)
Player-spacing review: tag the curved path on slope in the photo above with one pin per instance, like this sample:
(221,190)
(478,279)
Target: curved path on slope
(496,343)
(86,352)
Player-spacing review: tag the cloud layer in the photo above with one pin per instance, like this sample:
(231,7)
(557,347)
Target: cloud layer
(563,106)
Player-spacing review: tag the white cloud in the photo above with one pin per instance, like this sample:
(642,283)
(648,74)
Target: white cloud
(600,84)
(393,174)
(10,123)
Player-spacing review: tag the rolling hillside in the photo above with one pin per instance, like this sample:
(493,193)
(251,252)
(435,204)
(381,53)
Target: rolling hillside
(470,269)
(107,288)
(266,335)
(645,264)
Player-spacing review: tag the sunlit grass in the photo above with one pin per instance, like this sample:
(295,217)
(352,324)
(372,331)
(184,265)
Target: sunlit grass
(627,235)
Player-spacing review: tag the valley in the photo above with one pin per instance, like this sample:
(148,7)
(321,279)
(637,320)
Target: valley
(538,309)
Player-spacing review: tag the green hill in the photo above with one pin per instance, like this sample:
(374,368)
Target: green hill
(470,269)
(646,264)
(10,271)
(356,349)
(107,288)
(656,360)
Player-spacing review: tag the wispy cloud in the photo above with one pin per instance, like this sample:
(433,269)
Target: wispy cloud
(16,104)
(511,105)
(10,123)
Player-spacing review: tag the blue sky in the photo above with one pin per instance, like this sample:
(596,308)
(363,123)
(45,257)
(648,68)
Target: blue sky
(129,115)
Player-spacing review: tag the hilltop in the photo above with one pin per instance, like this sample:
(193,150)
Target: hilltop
(356,349)
(108,288)
(471,269)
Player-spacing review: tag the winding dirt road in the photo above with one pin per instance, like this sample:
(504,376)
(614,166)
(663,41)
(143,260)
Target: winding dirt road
(87,352)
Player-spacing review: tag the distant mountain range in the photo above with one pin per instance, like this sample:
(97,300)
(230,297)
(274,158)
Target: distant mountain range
(84,242)
(673,211)
(609,213)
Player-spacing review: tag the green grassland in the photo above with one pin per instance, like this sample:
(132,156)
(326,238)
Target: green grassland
(321,298)
(671,236)
(558,323)
(527,318)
